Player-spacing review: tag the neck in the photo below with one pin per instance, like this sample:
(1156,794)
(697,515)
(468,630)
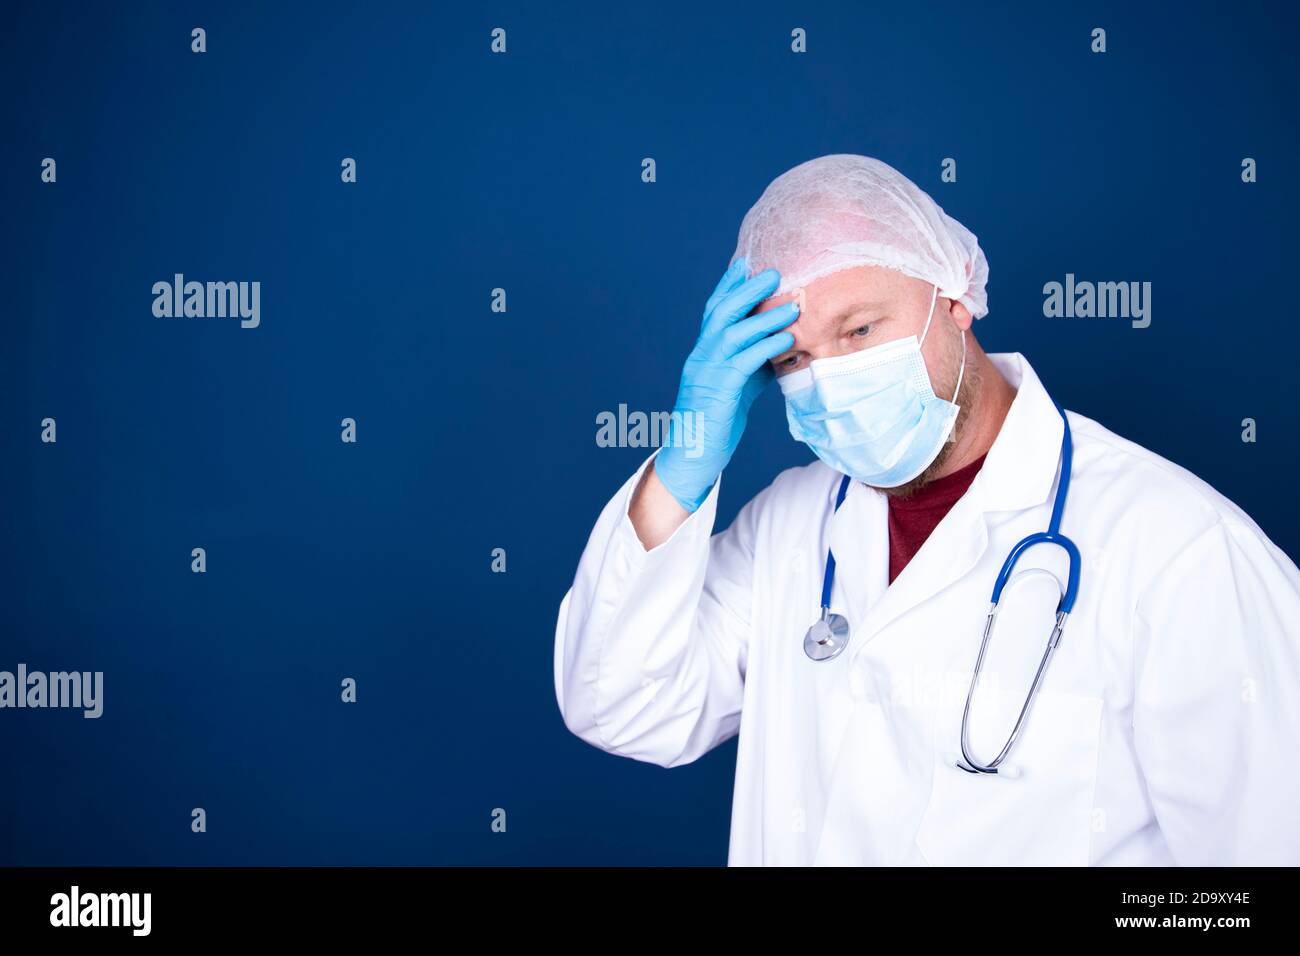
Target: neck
(990,400)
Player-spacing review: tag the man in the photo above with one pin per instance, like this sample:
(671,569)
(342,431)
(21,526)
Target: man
(1164,724)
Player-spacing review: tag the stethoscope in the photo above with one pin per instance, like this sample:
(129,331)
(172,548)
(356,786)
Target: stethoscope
(828,636)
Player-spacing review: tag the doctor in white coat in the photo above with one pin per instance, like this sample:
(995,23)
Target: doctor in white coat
(1165,725)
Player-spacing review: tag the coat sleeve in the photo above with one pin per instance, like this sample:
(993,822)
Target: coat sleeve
(1216,721)
(650,646)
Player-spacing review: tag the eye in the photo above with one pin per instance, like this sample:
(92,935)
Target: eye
(790,361)
(861,331)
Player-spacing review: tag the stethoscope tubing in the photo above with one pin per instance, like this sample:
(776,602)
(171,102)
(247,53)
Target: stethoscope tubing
(1052,535)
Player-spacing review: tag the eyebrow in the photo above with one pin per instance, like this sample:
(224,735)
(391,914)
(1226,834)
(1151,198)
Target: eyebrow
(856,308)
(848,312)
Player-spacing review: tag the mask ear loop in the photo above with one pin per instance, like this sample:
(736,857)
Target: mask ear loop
(933,299)
(926,331)
(962,371)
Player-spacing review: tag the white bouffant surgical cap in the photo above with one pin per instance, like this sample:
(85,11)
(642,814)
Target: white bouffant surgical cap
(840,211)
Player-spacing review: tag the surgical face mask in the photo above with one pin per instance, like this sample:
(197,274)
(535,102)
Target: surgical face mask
(872,414)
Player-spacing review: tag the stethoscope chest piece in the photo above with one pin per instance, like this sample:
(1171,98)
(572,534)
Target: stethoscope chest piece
(827,637)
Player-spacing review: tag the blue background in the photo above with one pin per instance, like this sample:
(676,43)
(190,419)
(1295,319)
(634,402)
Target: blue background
(477,430)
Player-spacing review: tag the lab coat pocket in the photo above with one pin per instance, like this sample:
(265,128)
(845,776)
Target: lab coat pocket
(1039,811)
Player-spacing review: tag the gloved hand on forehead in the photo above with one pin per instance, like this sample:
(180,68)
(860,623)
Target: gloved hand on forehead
(724,373)
(841,211)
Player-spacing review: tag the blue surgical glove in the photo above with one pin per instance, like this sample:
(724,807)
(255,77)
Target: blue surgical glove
(723,375)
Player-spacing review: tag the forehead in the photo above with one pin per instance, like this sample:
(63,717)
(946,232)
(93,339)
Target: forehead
(861,285)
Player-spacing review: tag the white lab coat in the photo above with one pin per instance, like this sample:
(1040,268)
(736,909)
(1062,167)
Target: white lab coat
(1166,730)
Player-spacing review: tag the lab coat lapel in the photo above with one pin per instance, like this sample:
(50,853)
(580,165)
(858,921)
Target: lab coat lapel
(953,548)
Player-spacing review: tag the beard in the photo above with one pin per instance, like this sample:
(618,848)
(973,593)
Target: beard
(967,396)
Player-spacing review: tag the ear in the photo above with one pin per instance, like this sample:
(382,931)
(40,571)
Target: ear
(961,315)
